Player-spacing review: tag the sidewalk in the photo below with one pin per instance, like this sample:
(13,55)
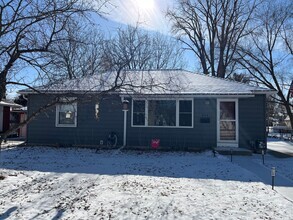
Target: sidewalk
(283,185)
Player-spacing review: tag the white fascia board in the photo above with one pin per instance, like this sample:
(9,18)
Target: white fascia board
(187,96)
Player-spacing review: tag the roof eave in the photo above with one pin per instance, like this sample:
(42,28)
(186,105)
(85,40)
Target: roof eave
(252,93)
(265,92)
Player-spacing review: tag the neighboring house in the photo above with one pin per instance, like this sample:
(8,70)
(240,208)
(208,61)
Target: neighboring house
(19,115)
(182,109)
(287,122)
(6,108)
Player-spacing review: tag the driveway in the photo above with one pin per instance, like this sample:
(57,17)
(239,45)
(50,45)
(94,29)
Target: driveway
(280,147)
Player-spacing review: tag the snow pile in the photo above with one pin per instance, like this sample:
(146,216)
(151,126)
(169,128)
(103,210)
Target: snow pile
(52,183)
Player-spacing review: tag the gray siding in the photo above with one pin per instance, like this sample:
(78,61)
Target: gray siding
(202,135)
(252,124)
(90,131)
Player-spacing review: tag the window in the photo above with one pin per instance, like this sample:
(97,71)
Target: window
(139,112)
(162,113)
(185,113)
(66,114)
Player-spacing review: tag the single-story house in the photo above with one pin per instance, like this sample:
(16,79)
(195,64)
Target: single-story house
(182,109)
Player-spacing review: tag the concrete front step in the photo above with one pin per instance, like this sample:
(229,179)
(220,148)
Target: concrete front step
(233,151)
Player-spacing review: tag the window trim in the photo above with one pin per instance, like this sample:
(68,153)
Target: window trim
(57,124)
(164,99)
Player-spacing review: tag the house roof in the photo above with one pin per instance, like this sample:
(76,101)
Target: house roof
(9,103)
(154,82)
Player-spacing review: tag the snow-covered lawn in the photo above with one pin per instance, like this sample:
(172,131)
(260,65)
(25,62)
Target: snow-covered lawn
(284,166)
(51,183)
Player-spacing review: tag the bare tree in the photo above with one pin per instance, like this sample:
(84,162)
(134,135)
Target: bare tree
(212,29)
(288,37)
(287,31)
(167,53)
(87,52)
(266,57)
(134,49)
(77,56)
(29,28)
(240,77)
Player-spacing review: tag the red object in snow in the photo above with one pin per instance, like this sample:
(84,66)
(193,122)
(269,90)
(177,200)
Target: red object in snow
(155,143)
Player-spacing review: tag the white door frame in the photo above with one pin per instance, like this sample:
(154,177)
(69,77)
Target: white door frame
(228,143)
(1,118)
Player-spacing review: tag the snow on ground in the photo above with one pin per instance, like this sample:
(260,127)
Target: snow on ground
(52,183)
(279,145)
(284,166)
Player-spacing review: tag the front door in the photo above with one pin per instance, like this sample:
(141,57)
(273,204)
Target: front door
(227,114)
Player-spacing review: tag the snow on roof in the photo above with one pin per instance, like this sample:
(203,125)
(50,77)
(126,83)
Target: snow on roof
(9,103)
(153,82)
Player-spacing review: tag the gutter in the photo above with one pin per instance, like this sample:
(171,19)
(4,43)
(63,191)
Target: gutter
(245,94)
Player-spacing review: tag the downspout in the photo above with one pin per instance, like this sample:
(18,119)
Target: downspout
(125,127)
(125,110)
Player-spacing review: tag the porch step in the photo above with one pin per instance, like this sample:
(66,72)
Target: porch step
(235,151)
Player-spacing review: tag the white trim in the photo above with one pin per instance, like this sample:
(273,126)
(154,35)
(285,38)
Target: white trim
(187,96)
(125,122)
(1,118)
(146,115)
(124,127)
(3,103)
(57,115)
(177,112)
(192,116)
(228,143)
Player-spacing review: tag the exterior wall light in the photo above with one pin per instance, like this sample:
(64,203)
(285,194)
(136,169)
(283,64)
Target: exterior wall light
(68,115)
(125,104)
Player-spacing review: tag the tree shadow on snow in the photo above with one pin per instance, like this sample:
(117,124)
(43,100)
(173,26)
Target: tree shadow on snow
(58,214)
(113,162)
(6,214)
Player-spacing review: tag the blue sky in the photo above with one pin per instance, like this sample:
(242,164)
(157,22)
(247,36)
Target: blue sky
(150,14)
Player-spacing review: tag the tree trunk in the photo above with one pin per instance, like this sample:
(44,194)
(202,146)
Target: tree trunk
(221,67)
(2,86)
